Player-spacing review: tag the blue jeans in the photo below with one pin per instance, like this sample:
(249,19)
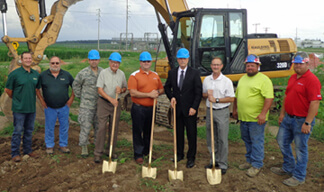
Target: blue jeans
(23,123)
(289,130)
(142,122)
(51,115)
(253,136)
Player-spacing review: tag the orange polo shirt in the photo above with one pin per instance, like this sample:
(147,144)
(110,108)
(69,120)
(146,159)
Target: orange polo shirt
(144,82)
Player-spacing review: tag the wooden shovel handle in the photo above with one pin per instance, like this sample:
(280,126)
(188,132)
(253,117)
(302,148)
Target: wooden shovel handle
(152,130)
(212,132)
(175,137)
(113,130)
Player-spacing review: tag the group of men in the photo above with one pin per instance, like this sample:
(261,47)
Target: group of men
(99,92)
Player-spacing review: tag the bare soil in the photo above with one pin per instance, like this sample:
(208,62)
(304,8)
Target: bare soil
(71,172)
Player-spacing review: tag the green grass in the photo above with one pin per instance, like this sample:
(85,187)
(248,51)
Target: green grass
(126,116)
(7,131)
(74,117)
(149,183)
(234,133)
(1,113)
(318,132)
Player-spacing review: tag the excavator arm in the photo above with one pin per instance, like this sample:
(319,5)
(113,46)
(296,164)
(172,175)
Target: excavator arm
(40,30)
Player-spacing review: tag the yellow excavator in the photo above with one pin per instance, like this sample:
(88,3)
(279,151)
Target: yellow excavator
(206,33)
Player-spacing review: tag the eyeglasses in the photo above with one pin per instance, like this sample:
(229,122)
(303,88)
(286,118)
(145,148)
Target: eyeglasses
(146,61)
(53,63)
(218,65)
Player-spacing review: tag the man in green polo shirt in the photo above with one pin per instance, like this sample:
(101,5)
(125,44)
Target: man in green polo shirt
(21,86)
(55,84)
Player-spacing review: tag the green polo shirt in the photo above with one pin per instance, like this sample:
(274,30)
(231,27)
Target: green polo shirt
(23,85)
(56,90)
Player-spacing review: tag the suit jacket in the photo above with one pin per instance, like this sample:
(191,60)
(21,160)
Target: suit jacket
(190,94)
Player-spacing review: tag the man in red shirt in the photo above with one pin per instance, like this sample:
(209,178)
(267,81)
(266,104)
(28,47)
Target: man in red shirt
(296,120)
(144,86)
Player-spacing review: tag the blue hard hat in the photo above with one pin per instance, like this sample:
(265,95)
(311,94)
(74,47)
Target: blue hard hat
(115,57)
(183,53)
(252,59)
(93,54)
(300,57)
(145,56)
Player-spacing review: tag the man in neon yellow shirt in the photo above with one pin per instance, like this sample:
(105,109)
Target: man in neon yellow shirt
(254,96)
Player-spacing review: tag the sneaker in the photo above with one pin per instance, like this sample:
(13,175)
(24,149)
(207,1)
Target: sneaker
(50,151)
(293,182)
(64,150)
(245,165)
(84,151)
(252,172)
(16,158)
(279,171)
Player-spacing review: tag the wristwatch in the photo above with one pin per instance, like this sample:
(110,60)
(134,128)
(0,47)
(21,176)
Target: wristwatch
(306,123)
(217,100)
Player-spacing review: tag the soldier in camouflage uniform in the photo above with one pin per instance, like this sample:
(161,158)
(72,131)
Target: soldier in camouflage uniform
(84,87)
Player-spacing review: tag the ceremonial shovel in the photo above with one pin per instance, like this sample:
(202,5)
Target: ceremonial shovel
(174,174)
(214,176)
(110,166)
(149,171)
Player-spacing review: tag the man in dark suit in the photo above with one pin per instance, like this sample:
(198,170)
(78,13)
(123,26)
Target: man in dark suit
(183,87)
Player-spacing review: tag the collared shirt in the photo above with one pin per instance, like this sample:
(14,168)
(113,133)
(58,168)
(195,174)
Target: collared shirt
(23,85)
(251,93)
(179,73)
(144,82)
(108,80)
(85,87)
(222,87)
(300,92)
(56,89)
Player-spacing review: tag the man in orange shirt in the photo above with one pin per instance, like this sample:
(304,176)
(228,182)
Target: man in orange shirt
(144,86)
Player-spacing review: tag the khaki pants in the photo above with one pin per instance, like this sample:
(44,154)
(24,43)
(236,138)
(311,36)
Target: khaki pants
(105,113)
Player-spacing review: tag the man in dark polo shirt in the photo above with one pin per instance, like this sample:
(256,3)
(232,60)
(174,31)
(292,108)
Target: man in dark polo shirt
(55,84)
(21,86)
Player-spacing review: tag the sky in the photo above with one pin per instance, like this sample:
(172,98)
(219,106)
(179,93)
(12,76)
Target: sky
(287,18)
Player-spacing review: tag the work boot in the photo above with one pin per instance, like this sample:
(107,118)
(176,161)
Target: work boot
(293,182)
(64,150)
(252,172)
(279,171)
(50,151)
(97,159)
(84,151)
(245,165)
(16,158)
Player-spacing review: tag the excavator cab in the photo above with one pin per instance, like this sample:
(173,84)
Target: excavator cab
(209,33)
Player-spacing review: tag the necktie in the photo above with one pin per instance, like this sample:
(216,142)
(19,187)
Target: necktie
(181,80)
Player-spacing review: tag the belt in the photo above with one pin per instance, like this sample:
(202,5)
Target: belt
(220,108)
(106,99)
(142,105)
(294,116)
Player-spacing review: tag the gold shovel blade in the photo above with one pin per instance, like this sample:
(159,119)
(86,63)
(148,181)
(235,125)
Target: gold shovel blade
(174,175)
(148,172)
(214,176)
(109,167)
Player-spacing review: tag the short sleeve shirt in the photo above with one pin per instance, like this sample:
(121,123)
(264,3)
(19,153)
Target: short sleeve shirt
(108,81)
(250,94)
(144,82)
(56,90)
(23,85)
(300,92)
(222,87)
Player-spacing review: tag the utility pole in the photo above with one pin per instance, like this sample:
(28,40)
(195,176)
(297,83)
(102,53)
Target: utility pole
(126,24)
(98,26)
(266,29)
(256,27)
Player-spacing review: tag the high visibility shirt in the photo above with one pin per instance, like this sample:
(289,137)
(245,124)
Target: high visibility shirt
(300,92)
(250,94)
(144,82)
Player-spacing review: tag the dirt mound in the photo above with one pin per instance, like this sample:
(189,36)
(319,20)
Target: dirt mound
(71,172)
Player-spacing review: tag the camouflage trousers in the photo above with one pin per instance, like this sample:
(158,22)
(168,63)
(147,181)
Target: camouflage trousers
(87,119)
